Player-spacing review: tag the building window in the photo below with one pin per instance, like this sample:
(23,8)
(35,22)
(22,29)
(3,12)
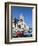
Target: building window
(19,26)
(21,20)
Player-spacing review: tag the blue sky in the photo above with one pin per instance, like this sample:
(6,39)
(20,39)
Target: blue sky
(27,13)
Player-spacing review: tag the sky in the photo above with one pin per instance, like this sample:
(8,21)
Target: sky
(25,11)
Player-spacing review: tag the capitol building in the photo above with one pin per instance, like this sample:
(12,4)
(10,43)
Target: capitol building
(19,25)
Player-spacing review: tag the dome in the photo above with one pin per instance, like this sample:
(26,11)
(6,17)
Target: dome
(21,16)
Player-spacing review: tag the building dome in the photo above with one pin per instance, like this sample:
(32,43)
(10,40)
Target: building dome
(21,17)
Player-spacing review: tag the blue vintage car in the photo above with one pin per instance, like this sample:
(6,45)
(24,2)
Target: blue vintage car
(28,34)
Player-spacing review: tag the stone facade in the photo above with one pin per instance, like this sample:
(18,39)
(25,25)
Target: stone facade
(20,25)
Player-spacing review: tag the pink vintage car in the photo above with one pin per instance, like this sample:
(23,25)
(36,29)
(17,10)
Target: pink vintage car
(19,33)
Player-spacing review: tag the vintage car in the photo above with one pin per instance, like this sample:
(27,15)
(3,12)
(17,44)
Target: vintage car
(19,34)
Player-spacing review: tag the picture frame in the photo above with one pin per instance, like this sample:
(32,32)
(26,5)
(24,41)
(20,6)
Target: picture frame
(20,22)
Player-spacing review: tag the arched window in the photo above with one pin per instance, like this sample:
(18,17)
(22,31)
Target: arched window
(19,26)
